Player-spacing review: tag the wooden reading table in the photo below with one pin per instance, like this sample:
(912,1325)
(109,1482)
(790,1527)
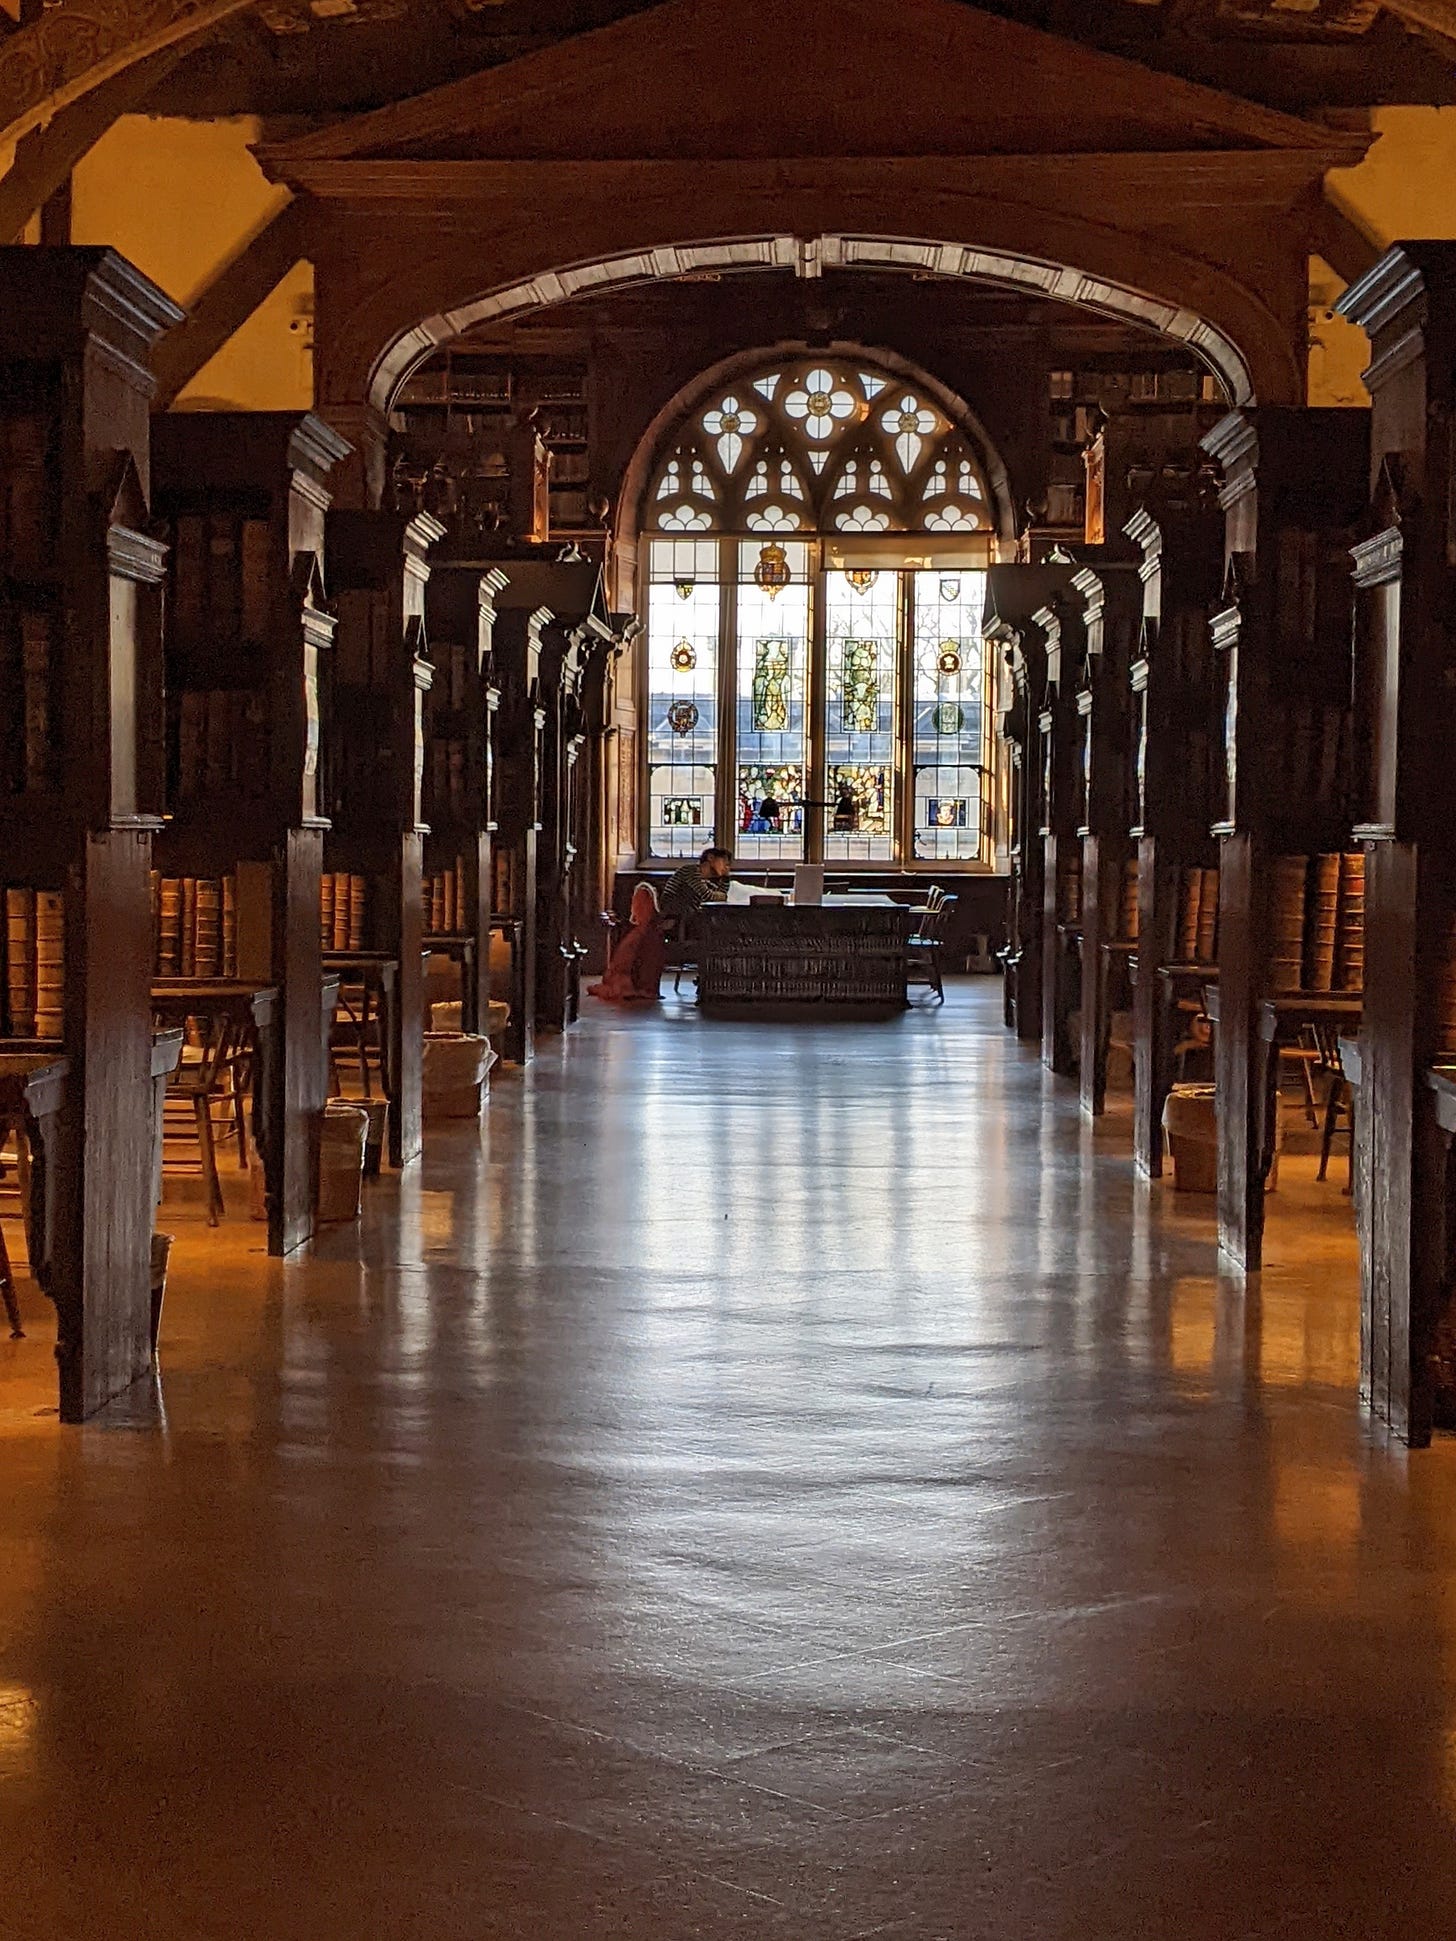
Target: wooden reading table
(250,1014)
(1278,1023)
(846,957)
(460,947)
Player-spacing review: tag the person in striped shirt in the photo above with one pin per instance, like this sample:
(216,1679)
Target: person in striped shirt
(697,883)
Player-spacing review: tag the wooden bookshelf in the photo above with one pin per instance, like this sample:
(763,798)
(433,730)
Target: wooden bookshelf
(1014,595)
(1293,492)
(497,446)
(1109,594)
(249,736)
(377,570)
(80,769)
(1178,531)
(1060,626)
(1405,729)
(460,716)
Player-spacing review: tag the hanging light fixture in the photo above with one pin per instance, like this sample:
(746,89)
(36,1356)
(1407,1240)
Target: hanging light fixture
(772,574)
(862,578)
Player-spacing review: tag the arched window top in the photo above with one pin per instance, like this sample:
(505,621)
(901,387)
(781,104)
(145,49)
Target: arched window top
(819,444)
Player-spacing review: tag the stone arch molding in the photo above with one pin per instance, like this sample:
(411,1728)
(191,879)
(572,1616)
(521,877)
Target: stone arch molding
(810,257)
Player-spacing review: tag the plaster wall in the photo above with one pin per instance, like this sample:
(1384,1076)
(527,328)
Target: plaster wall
(181,199)
(1404,190)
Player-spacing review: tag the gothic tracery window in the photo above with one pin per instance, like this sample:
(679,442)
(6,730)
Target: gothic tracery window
(798,709)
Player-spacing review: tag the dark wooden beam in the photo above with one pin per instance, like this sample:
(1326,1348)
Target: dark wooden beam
(46,157)
(1343,243)
(228,301)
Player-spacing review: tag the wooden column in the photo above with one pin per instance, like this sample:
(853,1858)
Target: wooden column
(249,646)
(1013,595)
(1061,973)
(377,571)
(80,616)
(1405,576)
(1111,615)
(1293,488)
(1173,732)
(460,719)
(522,618)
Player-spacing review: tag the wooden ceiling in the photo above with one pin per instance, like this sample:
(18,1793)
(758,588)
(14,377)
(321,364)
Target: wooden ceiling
(313,59)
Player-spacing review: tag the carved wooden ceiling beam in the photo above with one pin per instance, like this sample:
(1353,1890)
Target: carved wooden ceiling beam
(77,45)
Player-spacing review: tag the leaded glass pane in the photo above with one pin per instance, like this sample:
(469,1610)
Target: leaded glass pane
(946,702)
(683,619)
(862,632)
(772,680)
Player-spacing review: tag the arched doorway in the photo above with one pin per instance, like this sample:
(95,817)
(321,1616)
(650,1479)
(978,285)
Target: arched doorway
(813,538)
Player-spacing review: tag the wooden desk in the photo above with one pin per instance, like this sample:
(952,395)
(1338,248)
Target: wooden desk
(1280,1022)
(253,1012)
(803,961)
(517,1043)
(459,946)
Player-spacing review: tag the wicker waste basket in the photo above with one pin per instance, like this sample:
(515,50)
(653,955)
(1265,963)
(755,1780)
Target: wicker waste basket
(1190,1120)
(457,1065)
(341,1159)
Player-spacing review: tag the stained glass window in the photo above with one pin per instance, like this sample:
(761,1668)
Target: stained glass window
(862,632)
(683,621)
(947,697)
(772,719)
(794,708)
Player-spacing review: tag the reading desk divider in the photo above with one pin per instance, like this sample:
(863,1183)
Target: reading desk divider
(377,569)
(1405,584)
(80,778)
(1293,493)
(1109,593)
(1179,533)
(460,775)
(250,732)
(1014,594)
(1060,626)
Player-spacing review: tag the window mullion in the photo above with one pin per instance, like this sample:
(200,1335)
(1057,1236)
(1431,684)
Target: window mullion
(905,726)
(726,804)
(815,709)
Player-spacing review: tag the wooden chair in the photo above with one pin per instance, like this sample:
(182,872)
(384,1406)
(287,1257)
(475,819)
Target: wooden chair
(924,947)
(211,1078)
(7,1277)
(1337,1105)
(1307,1057)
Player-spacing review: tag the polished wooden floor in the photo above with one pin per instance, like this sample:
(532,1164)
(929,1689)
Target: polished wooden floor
(772,1482)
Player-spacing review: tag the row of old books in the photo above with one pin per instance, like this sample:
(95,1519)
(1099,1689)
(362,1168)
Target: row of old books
(1446,999)
(195,924)
(445,900)
(1315,757)
(1128,921)
(222,742)
(449,689)
(1069,885)
(343,910)
(28,508)
(1318,923)
(447,778)
(32,674)
(221,587)
(35,952)
(1197,941)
